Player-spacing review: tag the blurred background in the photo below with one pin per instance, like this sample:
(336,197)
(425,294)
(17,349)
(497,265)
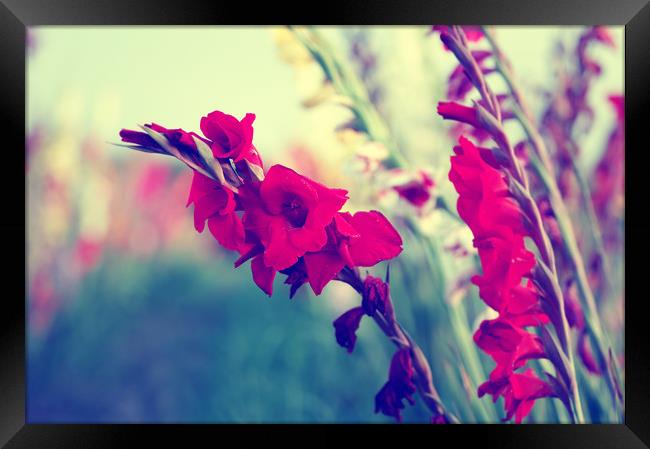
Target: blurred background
(134,317)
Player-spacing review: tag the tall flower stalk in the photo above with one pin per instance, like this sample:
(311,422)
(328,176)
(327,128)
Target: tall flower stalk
(541,164)
(487,115)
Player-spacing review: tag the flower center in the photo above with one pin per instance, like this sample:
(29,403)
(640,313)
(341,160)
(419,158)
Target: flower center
(295,212)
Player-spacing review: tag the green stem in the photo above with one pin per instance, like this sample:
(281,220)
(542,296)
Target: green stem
(471,358)
(458,320)
(597,336)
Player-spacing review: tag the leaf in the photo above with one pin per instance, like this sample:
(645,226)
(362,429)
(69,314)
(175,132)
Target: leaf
(172,150)
(211,163)
(139,148)
(256,170)
(162,141)
(561,391)
(556,355)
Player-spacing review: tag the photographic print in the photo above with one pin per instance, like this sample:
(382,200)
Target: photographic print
(325,224)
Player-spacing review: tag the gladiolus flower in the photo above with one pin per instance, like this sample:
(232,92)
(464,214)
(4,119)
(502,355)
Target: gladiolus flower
(505,260)
(216,204)
(263,275)
(289,213)
(484,202)
(288,222)
(519,390)
(525,389)
(388,402)
(231,138)
(360,240)
(346,328)
(600,34)
(609,179)
(138,138)
(594,34)
(296,276)
(473,33)
(450,110)
(400,386)
(295,228)
(508,344)
(375,295)
(416,192)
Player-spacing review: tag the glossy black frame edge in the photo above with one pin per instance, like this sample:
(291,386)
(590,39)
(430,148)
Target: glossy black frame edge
(16,15)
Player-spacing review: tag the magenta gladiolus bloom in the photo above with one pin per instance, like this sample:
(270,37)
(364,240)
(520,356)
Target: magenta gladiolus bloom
(416,192)
(375,295)
(216,204)
(231,138)
(450,110)
(346,328)
(295,222)
(400,386)
(289,213)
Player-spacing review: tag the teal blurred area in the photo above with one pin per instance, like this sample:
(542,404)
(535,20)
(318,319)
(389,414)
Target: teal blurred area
(172,340)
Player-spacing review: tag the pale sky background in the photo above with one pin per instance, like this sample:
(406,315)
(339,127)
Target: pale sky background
(106,78)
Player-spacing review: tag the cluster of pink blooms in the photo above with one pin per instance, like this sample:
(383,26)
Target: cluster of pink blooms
(285,222)
(499,229)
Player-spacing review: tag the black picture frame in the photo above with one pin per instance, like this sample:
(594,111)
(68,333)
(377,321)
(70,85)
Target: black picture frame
(16,15)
